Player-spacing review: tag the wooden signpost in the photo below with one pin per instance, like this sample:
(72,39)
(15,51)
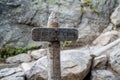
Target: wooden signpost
(54,35)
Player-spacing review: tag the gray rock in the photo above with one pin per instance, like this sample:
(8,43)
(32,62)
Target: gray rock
(13,33)
(95,20)
(27,66)
(75,65)
(106,38)
(109,28)
(36,54)
(15,76)
(100,62)
(115,17)
(12,74)
(115,60)
(107,66)
(8,71)
(118,2)
(19,58)
(4,65)
(103,75)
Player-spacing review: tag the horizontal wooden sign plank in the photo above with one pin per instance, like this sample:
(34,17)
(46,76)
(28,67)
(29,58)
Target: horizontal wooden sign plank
(54,34)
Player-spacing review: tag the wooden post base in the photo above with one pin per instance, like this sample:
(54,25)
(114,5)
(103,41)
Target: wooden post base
(54,72)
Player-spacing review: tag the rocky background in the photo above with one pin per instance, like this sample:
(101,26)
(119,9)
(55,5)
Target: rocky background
(97,56)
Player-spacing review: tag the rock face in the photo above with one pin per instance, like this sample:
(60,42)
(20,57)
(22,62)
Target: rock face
(14,31)
(15,27)
(94,20)
(11,74)
(75,65)
(19,58)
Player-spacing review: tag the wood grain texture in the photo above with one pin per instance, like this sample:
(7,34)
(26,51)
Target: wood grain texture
(54,72)
(54,34)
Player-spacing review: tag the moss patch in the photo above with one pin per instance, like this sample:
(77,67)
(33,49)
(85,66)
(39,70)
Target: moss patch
(8,51)
(51,1)
(89,4)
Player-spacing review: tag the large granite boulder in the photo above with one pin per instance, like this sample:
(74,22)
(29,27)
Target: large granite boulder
(75,65)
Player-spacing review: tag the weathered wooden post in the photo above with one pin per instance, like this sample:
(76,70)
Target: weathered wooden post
(54,35)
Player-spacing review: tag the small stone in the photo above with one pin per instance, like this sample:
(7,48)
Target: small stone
(36,54)
(19,58)
(115,17)
(100,62)
(27,66)
(105,38)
